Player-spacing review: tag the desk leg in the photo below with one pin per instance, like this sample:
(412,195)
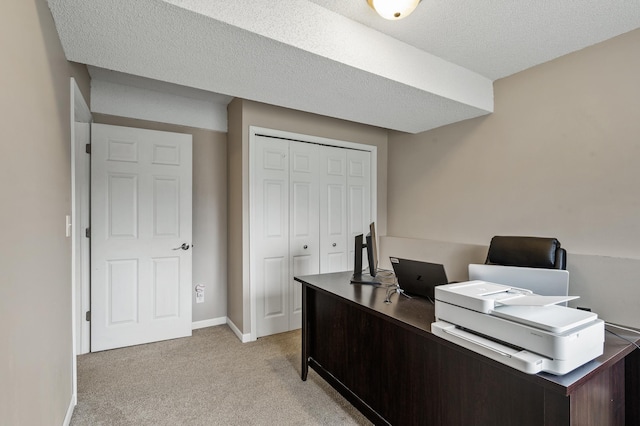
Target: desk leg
(305,335)
(632,388)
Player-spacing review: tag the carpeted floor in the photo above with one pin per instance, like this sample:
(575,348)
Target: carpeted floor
(210,378)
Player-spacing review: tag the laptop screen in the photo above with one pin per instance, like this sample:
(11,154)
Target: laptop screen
(418,278)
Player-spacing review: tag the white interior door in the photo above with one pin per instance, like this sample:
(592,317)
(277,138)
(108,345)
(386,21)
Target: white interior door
(270,234)
(333,210)
(304,240)
(141,186)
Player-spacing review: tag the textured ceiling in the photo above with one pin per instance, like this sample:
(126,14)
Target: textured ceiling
(497,38)
(336,57)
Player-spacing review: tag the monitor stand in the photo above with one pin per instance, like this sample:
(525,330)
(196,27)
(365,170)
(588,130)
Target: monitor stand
(365,279)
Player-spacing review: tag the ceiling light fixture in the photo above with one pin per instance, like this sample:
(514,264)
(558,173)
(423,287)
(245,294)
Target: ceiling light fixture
(393,9)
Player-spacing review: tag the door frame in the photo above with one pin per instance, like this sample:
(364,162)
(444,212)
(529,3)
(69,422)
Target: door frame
(80,113)
(248,253)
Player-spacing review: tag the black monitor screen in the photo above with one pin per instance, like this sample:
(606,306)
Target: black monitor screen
(372,250)
(357,261)
(372,257)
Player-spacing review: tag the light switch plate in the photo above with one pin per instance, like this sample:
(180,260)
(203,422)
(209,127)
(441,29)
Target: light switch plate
(67,224)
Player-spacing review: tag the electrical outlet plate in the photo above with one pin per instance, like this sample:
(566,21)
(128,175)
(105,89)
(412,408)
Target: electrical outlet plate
(200,293)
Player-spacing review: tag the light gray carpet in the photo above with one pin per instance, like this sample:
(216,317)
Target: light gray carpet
(210,378)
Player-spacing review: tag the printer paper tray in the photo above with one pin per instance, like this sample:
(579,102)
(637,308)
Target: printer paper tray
(519,359)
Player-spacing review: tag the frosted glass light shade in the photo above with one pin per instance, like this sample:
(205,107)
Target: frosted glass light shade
(393,9)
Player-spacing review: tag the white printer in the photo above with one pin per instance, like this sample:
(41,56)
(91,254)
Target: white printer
(517,327)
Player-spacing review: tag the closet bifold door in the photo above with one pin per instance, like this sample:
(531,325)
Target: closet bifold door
(304,238)
(359,213)
(307,201)
(345,205)
(333,210)
(270,235)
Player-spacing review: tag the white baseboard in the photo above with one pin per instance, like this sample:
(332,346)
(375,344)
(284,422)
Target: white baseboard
(72,406)
(244,338)
(208,323)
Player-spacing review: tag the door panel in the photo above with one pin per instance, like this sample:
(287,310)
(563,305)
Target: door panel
(274,212)
(301,265)
(359,197)
(275,295)
(166,288)
(166,202)
(304,224)
(122,287)
(141,212)
(122,204)
(333,210)
(270,234)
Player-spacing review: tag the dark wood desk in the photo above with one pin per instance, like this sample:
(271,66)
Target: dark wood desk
(384,359)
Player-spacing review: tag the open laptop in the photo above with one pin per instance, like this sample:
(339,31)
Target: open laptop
(418,278)
(545,282)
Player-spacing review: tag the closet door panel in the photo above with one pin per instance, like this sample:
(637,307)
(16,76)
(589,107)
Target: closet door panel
(274,303)
(333,210)
(270,210)
(304,222)
(358,198)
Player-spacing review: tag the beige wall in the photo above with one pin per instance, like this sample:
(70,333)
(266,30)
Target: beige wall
(35,186)
(243,114)
(209,211)
(83,80)
(235,212)
(558,157)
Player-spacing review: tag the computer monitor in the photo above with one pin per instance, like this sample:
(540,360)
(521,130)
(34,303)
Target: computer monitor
(372,257)
(372,250)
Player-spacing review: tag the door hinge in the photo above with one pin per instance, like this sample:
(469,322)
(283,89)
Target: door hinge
(87,316)
(87,148)
(87,232)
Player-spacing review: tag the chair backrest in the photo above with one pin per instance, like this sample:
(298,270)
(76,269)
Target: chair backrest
(531,252)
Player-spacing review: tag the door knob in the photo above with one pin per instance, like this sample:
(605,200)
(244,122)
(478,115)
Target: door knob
(184,246)
(305,246)
(334,244)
